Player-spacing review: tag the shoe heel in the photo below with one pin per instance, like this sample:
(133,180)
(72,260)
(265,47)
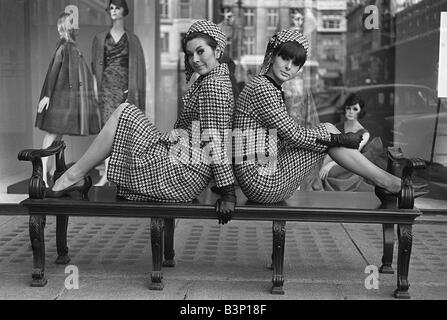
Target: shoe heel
(84,194)
(388,199)
(87,185)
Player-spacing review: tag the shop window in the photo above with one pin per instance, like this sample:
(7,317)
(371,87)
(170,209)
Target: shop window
(185,9)
(164,42)
(249,45)
(249,17)
(164,9)
(272,18)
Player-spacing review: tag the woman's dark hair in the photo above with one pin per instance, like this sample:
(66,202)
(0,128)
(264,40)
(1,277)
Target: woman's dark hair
(293,51)
(352,100)
(232,68)
(121,4)
(194,35)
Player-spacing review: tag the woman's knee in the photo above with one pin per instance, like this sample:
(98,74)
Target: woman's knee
(118,111)
(331,128)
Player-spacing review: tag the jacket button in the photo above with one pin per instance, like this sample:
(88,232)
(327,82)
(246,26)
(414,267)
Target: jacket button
(100,62)
(70,86)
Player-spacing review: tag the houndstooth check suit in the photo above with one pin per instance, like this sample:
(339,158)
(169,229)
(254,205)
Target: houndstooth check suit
(293,151)
(147,165)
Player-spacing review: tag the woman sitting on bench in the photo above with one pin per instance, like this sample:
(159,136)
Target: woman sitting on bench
(271,172)
(147,165)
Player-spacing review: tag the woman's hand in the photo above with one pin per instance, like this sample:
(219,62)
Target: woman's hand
(43,104)
(225,205)
(224,210)
(347,140)
(324,172)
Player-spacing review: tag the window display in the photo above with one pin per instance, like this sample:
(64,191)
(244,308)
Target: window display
(386,53)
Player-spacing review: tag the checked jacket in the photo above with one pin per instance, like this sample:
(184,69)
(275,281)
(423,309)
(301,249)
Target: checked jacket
(176,166)
(278,153)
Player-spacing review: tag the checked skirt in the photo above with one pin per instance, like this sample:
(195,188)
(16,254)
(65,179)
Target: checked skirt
(141,168)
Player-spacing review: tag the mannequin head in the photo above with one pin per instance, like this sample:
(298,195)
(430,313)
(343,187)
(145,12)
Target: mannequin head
(297,19)
(354,108)
(118,4)
(65,27)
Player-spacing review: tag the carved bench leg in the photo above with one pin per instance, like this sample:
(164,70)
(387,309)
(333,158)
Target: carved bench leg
(169,252)
(405,235)
(157,254)
(61,240)
(37,237)
(279,237)
(388,249)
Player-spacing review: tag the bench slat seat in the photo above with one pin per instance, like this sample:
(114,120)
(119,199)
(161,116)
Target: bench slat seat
(349,207)
(10,205)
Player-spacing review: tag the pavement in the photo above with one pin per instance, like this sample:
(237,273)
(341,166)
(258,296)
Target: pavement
(323,261)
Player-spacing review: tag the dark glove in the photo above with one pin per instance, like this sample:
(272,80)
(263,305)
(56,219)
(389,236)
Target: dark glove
(226,204)
(218,190)
(348,140)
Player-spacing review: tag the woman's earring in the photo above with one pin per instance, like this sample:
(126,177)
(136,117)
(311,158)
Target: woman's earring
(218,53)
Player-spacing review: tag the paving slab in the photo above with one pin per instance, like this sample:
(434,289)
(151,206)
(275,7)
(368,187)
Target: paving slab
(428,264)
(15,286)
(322,261)
(107,287)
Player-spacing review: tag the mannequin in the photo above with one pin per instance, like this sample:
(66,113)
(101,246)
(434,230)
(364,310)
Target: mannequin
(67,105)
(118,66)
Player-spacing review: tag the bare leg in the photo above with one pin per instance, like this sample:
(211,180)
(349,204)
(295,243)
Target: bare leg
(47,141)
(98,151)
(103,180)
(357,163)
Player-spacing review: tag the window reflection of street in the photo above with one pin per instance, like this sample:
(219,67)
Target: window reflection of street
(394,68)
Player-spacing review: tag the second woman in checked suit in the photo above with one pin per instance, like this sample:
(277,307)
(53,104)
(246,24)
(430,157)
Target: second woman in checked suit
(272,153)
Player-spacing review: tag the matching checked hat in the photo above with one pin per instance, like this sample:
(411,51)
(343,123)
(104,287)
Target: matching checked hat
(286,35)
(209,28)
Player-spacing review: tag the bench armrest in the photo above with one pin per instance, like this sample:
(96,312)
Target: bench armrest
(36,187)
(402,167)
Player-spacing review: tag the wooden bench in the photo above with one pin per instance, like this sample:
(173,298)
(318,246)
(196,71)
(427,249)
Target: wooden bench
(339,207)
(10,205)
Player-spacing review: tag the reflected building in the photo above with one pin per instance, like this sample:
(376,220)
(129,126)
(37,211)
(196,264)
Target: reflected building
(404,50)
(408,33)
(331,40)
(176,16)
(322,21)
(370,54)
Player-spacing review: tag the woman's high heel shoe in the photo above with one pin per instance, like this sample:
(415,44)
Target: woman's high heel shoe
(82,187)
(405,196)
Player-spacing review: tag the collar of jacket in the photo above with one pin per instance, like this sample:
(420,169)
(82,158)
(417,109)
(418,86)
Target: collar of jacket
(277,86)
(220,70)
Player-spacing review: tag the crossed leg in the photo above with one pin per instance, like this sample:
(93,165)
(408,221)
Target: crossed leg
(98,151)
(354,161)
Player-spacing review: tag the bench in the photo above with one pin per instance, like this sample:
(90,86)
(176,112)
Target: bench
(10,205)
(338,207)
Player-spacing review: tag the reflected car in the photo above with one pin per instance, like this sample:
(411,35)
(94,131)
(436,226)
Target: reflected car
(402,115)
